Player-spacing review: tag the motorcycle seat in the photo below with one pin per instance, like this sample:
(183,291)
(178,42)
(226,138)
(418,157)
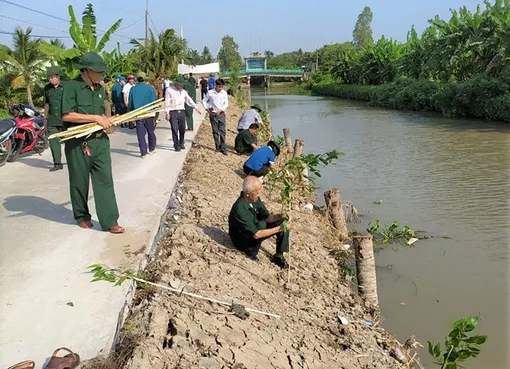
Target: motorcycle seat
(6,124)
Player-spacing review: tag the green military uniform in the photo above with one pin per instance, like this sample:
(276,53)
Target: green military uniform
(243,142)
(192,92)
(53,97)
(89,157)
(245,220)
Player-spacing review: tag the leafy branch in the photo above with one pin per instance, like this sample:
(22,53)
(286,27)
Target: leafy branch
(458,346)
(387,234)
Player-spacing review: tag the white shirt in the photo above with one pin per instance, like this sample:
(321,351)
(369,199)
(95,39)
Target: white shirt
(125,90)
(216,100)
(249,117)
(175,99)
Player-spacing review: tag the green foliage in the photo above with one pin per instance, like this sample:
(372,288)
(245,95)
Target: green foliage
(392,233)
(228,56)
(264,133)
(121,63)
(362,34)
(103,273)
(279,140)
(458,346)
(293,175)
(292,60)
(235,86)
(4,114)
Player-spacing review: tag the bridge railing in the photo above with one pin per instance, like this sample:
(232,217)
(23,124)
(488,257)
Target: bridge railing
(266,71)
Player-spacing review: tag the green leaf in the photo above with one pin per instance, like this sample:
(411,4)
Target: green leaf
(106,37)
(477,340)
(70,303)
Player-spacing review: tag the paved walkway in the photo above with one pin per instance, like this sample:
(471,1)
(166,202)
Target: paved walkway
(44,255)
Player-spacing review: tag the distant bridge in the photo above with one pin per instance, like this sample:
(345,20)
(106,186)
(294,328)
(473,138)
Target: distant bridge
(266,73)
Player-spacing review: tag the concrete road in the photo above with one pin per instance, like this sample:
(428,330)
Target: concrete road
(44,255)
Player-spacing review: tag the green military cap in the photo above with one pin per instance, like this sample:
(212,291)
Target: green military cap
(180,81)
(53,70)
(142,75)
(93,62)
(256,106)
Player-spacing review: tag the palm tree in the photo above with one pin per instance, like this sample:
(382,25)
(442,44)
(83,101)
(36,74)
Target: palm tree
(24,60)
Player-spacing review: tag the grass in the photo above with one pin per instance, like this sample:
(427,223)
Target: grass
(4,114)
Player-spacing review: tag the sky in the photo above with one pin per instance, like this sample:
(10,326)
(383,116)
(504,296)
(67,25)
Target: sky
(277,25)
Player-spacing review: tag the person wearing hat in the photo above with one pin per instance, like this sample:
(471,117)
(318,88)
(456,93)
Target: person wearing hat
(82,103)
(53,113)
(117,98)
(142,94)
(246,140)
(260,161)
(249,117)
(216,102)
(175,100)
(192,92)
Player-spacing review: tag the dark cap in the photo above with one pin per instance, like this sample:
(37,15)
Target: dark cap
(254,126)
(256,106)
(53,71)
(94,62)
(274,147)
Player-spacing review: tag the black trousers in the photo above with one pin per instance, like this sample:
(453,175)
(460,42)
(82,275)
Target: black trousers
(178,125)
(257,173)
(251,246)
(203,93)
(219,130)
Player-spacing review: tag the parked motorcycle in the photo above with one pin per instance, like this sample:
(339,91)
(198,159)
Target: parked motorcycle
(30,134)
(8,128)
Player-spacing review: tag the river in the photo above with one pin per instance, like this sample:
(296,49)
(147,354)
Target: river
(444,176)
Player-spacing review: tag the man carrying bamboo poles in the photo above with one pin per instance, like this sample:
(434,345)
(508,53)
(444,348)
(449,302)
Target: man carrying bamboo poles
(249,223)
(83,102)
(175,100)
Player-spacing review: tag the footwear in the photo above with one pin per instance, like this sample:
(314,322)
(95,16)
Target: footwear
(29,364)
(116,229)
(56,167)
(152,152)
(280,261)
(183,147)
(69,361)
(85,224)
(177,149)
(253,257)
(143,156)
(224,152)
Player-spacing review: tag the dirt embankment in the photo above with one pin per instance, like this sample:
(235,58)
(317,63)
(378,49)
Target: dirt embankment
(181,332)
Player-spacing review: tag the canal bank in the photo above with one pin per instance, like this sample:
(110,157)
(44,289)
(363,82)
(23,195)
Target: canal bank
(166,329)
(443,176)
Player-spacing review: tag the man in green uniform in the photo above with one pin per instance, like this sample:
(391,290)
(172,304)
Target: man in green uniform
(249,223)
(191,89)
(83,102)
(53,114)
(246,140)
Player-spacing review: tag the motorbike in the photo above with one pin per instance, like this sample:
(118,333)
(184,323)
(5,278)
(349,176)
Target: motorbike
(30,132)
(8,129)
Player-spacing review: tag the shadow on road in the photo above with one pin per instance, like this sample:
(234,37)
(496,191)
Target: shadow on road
(38,207)
(125,152)
(35,162)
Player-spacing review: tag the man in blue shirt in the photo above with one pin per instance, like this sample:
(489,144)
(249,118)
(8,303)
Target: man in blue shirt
(140,95)
(117,98)
(212,81)
(260,161)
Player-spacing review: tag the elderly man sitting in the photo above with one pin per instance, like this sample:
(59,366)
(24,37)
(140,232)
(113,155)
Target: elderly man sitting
(250,223)
(246,140)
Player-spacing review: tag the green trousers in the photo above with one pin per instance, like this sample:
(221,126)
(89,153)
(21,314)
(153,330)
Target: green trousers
(55,145)
(97,164)
(189,117)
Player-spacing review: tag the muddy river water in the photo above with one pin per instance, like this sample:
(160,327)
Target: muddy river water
(444,176)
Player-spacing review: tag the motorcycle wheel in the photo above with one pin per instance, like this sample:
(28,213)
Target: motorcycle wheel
(15,151)
(41,144)
(6,152)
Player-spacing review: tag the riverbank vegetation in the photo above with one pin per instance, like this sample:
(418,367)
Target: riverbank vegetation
(458,67)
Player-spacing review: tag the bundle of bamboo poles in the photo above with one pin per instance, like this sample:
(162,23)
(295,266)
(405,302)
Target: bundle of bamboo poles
(84,130)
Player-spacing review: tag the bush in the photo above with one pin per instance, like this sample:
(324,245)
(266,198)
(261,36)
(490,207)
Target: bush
(480,97)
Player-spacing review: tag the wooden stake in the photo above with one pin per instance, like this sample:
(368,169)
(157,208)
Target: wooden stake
(336,213)
(298,147)
(288,140)
(365,267)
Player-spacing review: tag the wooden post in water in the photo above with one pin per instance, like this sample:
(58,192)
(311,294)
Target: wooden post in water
(298,147)
(288,140)
(336,214)
(365,269)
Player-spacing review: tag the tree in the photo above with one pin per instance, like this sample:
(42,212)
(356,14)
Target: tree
(228,56)
(194,56)
(362,34)
(25,60)
(207,56)
(269,54)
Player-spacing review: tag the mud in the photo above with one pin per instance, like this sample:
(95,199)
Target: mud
(182,332)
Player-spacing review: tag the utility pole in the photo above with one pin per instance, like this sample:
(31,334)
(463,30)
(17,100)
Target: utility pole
(146,23)
(182,39)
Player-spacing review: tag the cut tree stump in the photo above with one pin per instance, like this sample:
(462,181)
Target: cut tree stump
(288,140)
(298,147)
(336,214)
(365,269)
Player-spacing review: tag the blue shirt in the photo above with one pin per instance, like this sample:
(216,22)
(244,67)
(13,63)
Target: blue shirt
(212,81)
(140,95)
(261,156)
(117,93)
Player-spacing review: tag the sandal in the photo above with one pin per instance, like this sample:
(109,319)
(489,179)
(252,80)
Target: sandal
(116,229)
(29,364)
(69,361)
(86,224)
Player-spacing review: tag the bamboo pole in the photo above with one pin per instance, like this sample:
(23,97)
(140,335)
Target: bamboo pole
(365,269)
(336,214)
(181,292)
(288,140)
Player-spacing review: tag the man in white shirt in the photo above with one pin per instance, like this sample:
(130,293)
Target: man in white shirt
(216,102)
(125,93)
(175,98)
